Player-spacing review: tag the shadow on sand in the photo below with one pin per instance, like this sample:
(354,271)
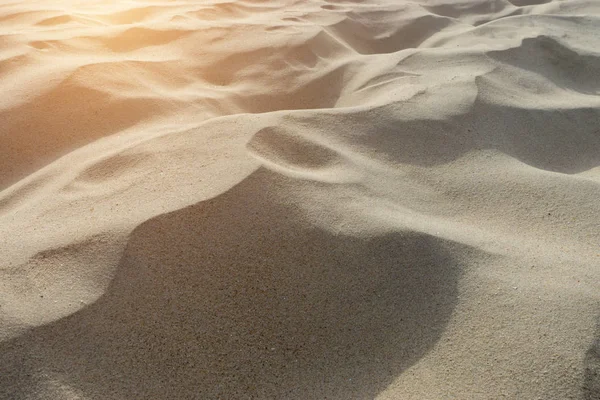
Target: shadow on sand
(239,297)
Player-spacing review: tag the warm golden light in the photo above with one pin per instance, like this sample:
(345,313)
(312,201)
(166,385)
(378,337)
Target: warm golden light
(299,199)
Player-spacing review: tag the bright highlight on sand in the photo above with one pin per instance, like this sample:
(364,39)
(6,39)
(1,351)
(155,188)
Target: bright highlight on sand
(299,200)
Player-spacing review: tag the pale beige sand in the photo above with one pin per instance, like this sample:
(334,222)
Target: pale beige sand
(300,199)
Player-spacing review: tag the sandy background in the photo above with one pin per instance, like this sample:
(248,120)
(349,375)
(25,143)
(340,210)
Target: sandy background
(300,199)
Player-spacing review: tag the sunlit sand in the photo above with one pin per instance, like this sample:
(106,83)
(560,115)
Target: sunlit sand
(300,199)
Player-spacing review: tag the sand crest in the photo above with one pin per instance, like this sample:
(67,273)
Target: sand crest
(300,199)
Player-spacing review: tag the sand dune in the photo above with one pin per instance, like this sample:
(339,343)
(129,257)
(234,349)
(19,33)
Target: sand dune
(300,200)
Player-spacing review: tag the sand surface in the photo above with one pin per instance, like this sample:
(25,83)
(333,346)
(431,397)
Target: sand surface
(379,199)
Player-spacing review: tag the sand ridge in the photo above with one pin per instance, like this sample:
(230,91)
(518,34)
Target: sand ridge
(299,200)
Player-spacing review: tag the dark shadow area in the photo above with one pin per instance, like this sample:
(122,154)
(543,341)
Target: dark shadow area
(239,297)
(565,141)
(591,381)
(556,61)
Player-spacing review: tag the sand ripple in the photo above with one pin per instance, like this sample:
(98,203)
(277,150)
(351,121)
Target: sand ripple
(293,199)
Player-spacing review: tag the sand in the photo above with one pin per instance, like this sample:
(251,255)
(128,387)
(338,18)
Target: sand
(290,199)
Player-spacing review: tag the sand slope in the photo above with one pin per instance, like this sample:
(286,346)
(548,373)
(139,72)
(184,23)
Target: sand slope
(300,200)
